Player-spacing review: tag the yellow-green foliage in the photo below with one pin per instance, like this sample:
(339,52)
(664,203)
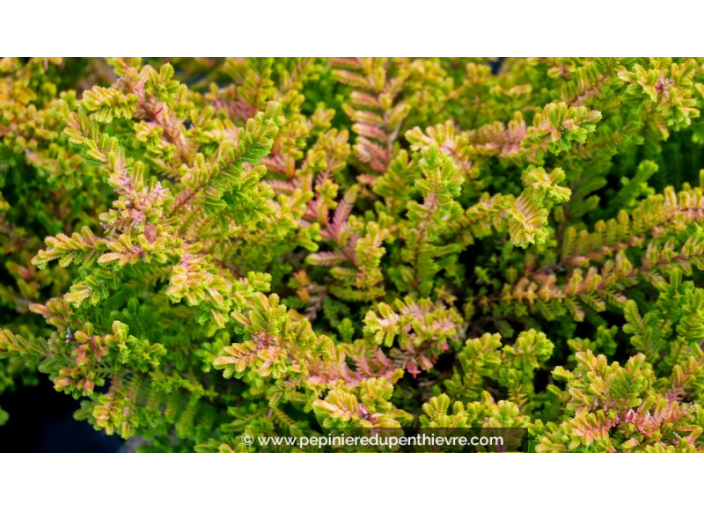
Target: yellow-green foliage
(199,249)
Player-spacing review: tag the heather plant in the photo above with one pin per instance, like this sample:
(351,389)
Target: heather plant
(200,249)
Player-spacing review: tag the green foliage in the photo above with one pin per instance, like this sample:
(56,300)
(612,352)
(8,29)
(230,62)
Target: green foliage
(203,249)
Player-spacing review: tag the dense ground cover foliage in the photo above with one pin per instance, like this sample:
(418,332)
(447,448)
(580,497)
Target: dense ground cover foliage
(199,249)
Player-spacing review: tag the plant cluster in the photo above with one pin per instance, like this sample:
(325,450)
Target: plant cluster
(203,248)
